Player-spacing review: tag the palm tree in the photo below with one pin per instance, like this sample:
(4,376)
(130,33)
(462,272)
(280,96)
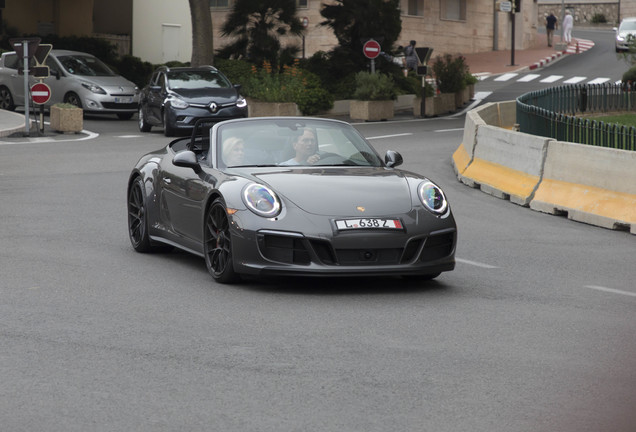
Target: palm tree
(202,36)
(257,25)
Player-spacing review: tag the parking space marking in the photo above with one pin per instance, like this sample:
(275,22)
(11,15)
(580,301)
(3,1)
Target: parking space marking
(611,290)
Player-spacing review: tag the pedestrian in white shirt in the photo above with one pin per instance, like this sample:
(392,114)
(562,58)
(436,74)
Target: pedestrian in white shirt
(568,23)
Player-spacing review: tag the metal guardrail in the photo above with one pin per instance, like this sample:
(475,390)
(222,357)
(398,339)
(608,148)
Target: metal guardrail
(552,113)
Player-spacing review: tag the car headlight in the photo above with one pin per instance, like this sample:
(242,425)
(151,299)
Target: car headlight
(261,200)
(241,102)
(94,88)
(432,197)
(620,38)
(178,103)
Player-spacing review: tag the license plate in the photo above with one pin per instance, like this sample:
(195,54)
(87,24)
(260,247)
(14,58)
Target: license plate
(370,223)
(124,99)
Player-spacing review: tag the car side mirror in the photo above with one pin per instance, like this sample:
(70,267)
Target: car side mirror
(187,159)
(55,73)
(393,159)
(238,87)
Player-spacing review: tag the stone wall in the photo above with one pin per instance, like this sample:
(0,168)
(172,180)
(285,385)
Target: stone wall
(581,12)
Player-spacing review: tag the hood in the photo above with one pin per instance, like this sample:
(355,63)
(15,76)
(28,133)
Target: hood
(112,84)
(341,191)
(207,95)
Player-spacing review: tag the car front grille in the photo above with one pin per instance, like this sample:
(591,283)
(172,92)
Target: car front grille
(302,251)
(121,106)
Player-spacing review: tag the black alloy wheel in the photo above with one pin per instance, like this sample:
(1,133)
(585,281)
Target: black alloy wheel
(6,100)
(144,126)
(137,217)
(217,243)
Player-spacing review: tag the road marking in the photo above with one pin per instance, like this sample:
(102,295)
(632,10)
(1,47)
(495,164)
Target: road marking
(610,290)
(475,263)
(448,130)
(506,77)
(40,140)
(574,80)
(599,81)
(551,78)
(529,77)
(130,136)
(389,136)
(481,95)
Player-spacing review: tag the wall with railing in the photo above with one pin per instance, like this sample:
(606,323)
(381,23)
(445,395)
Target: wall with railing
(559,113)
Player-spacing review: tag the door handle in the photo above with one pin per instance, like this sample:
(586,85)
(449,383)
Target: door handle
(167,180)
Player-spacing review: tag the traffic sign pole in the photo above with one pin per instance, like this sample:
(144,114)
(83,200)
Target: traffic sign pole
(371,49)
(25,64)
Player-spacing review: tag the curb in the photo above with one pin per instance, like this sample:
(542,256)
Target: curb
(547,60)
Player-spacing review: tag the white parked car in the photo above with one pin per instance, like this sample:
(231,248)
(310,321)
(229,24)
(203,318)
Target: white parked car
(625,33)
(77,78)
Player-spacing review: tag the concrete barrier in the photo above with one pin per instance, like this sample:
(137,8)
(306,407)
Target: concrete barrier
(590,184)
(506,164)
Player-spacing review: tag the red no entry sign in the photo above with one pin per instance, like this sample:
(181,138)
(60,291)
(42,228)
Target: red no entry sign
(40,93)
(371,49)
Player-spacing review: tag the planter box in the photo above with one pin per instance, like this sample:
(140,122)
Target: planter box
(444,103)
(371,110)
(462,97)
(268,109)
(429,107)
(67,119)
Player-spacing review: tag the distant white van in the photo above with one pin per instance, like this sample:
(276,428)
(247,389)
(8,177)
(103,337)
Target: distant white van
(77,78)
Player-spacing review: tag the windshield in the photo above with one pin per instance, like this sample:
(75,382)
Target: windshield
(197,80)
(628,25)
(292,142)
(85,65)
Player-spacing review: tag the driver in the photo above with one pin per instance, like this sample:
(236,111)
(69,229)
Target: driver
(306,148)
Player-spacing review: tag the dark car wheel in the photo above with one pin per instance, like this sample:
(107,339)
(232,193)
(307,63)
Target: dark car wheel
(218,243)
(138,220)
(144,126)
(73,99)
(168,130)
(124,116)
(6,100)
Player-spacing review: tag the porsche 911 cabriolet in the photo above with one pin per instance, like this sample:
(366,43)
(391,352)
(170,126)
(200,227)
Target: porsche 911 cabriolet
(289,196)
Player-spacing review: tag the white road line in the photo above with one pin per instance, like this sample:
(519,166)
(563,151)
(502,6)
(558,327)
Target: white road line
(130,136)
(475,263)
(448,130)
(389,136)
(574,80)
(506,77)
(481,95)
(611,290)
(599,81)
(40,140)
(551,78)
(528,78)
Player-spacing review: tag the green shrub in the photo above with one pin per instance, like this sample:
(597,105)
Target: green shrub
(598,19)
(630,75)
(450,73)
(134,69)
(373,87)
(238,71)
(314,100)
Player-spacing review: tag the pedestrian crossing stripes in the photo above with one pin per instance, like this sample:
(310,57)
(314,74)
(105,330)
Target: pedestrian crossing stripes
(549,79)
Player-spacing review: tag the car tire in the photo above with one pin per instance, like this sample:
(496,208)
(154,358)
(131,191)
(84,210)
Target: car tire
(217,244)
(124,116)
(143,124)
(138,220)
(73,99)
(6,100)
(167,129)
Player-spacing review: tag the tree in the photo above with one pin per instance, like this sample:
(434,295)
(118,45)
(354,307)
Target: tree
(257,26)
(202,36)
(355,21)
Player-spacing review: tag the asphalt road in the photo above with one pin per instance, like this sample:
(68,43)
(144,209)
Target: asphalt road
(533,331)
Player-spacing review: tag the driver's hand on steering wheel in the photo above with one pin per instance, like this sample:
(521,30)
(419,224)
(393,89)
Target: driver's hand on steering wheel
(313,158)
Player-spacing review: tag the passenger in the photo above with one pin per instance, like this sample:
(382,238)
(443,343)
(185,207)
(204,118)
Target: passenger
(306,148)
(233,151)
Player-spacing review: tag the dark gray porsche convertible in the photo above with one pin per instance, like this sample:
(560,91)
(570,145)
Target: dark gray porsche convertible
(289,196)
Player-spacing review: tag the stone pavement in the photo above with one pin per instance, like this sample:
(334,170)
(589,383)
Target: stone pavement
(12,125)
